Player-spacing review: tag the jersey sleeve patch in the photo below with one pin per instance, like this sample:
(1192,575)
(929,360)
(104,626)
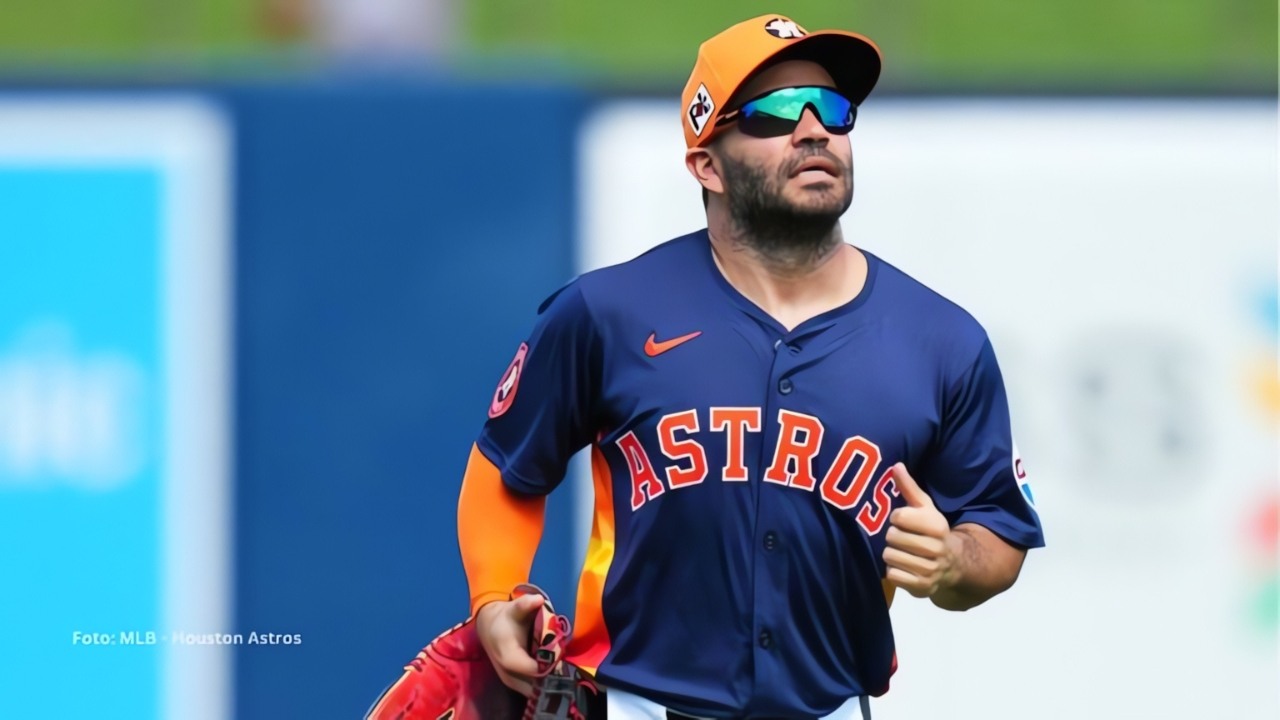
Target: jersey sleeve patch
(1020,474)
(506,392)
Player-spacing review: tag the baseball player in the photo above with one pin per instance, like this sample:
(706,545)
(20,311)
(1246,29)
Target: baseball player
(784,428)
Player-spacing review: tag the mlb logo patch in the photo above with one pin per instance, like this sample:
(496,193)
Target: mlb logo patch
(1020,475)
(700,110)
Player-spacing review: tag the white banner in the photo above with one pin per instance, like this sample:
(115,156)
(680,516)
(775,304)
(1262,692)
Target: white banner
(1122,255)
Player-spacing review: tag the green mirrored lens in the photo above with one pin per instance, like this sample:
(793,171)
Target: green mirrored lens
(833,109)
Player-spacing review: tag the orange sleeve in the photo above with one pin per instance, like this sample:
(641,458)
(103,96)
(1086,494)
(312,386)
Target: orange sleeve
(498,532)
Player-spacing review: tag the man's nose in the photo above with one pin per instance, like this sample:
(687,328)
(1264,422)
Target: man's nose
(809,129)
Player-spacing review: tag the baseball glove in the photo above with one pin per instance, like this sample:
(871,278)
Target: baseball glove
(453,679)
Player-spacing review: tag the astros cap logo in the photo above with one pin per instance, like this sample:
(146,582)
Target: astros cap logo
(729,59)
(784,28)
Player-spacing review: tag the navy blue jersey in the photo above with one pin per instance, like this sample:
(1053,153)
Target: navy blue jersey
(741,472)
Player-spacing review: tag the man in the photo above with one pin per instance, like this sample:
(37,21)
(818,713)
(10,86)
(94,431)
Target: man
(784,428)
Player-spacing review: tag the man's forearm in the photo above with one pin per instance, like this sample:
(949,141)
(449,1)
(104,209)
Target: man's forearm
(498,532)
(985,566)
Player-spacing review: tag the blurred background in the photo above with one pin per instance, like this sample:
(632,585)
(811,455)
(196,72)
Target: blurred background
(262,263)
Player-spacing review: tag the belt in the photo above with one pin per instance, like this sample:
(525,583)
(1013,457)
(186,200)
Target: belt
(675,715)
(635,706)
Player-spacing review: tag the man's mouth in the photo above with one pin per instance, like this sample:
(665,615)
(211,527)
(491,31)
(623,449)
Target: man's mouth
(817,164)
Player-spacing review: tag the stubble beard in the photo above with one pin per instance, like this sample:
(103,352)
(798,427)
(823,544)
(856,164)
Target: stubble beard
(785,234)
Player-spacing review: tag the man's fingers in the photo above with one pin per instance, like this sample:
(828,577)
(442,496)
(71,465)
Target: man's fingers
(526,607)
(907,581)
(504,631)
(924,546)
(908,488)
(516,660)
(911,563)
(921,521)
(514,666)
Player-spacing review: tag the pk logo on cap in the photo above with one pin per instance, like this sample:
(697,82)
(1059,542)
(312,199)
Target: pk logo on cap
(700,109)
(785,29)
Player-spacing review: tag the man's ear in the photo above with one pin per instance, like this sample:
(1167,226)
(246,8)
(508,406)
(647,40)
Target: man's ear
(702,166)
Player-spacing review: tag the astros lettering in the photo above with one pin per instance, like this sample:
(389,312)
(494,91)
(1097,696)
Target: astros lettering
(799,438)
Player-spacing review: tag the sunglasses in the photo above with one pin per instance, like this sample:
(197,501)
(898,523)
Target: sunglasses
(777,112)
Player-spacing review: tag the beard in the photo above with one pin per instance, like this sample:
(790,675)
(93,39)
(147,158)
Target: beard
(787,232)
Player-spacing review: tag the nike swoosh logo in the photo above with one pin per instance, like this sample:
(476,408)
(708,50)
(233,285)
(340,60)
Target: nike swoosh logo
(653,348)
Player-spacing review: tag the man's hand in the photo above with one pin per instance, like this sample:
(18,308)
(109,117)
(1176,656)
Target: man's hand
(504,628)
(921,552)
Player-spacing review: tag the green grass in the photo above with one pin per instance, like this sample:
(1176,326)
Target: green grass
(126,30)
(937,44)
(1107,43)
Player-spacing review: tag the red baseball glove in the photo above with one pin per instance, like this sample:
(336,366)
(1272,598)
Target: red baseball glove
(453,679)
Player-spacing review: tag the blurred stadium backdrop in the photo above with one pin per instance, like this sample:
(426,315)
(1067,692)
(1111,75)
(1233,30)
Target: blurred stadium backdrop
(263,261)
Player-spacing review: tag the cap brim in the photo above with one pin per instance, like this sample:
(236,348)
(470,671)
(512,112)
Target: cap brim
(852,60)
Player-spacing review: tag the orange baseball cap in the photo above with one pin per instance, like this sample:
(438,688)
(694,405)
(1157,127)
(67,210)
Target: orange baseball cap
(728,59)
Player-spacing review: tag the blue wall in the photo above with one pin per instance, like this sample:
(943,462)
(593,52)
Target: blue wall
(392,244)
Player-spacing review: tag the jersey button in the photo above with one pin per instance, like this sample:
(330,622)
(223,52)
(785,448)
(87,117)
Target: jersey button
(785,387)
(770,540)
(766,640)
